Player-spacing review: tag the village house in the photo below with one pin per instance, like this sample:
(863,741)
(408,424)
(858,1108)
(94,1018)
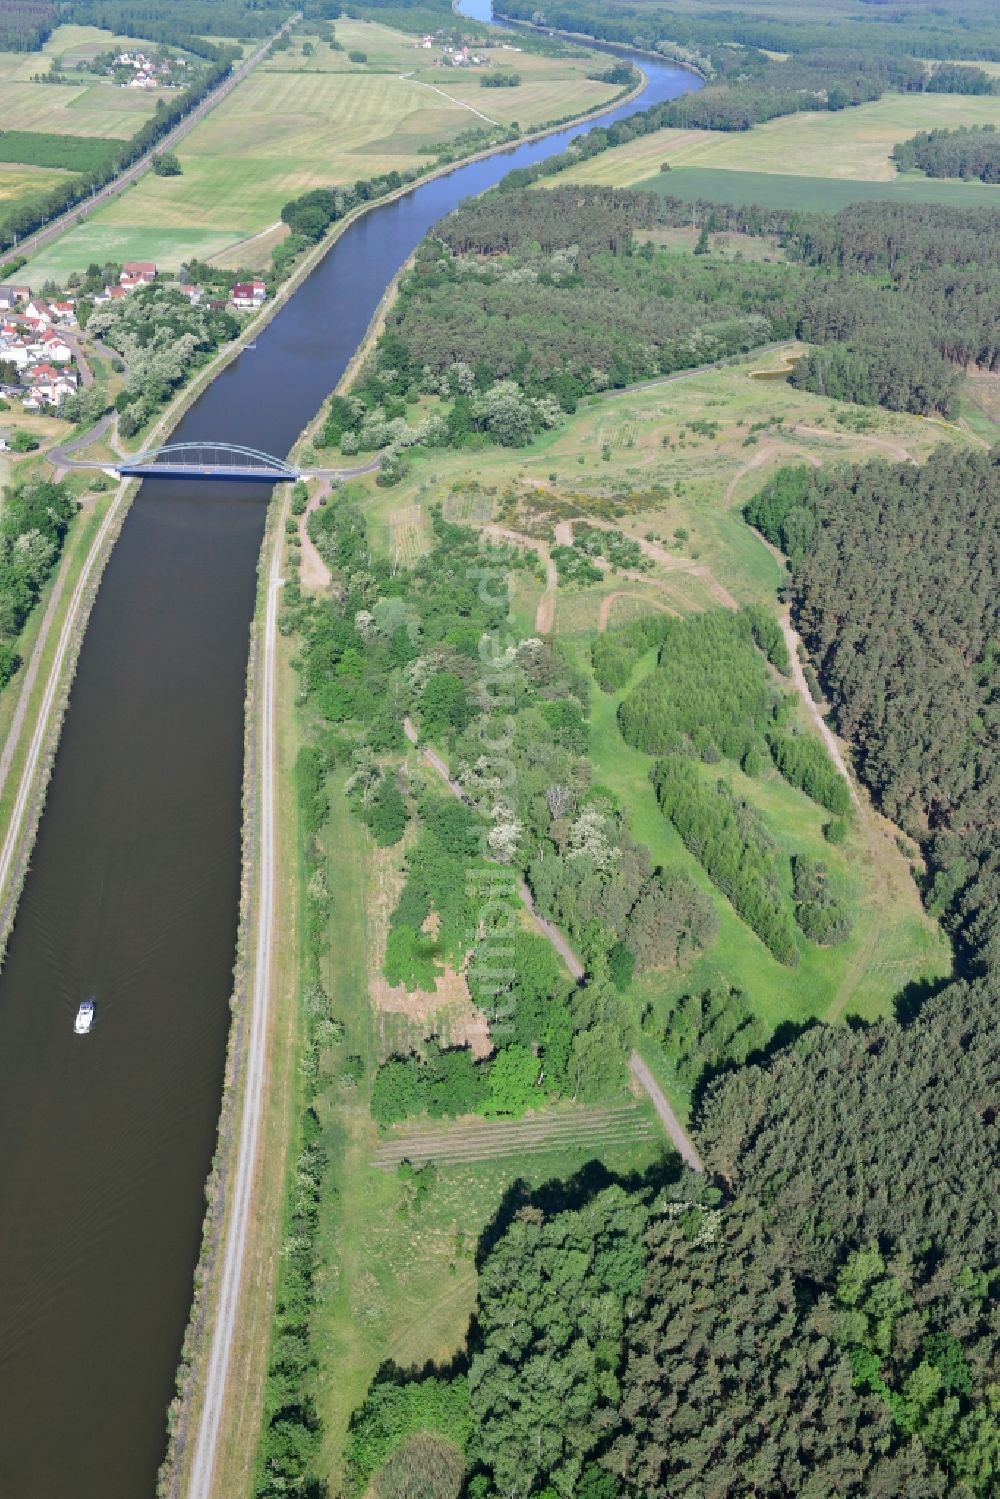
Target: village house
(55,347)
(12,296)
(65,312)
(38,311)
(137,273)
(193,293)
(48,387)
(248,295)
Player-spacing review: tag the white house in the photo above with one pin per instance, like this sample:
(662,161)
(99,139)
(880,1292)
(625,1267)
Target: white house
(248,295)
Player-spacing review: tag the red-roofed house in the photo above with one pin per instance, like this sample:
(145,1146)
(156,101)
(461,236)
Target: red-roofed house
(248,295)
(55,346)
(137,273)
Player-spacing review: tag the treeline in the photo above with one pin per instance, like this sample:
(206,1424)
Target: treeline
(730,839)
(26,25)
(970,152)
(894,590)
(33,525)
(500,79)
(929,33)
(180,23)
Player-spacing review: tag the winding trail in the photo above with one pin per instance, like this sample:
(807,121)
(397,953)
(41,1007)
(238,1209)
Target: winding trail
(255,1069)
(678,1134)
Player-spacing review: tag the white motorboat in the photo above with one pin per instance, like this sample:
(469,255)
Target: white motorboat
(84,1017)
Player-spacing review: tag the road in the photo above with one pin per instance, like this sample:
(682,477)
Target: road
(72,216)
(678,1134)
(237,1223)
(23,800)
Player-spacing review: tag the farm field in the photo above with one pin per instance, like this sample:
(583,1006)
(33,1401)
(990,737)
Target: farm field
(812,194)
(97,108)
(18,183)
(283,131)
(852,144)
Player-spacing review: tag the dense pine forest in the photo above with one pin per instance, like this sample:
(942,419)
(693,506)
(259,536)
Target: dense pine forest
(967,152)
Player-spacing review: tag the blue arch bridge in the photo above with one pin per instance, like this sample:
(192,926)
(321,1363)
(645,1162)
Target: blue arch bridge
(208,460)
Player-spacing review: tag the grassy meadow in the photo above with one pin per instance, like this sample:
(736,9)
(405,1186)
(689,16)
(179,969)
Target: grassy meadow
(851,146)
(300,122)
(632,458)
(646,486)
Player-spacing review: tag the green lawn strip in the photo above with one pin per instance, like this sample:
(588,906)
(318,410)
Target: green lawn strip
(817,194)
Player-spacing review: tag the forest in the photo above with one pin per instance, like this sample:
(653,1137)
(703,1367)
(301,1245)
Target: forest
(968,152)
(837,1296)
(894,593)
(521,303)
(925,29)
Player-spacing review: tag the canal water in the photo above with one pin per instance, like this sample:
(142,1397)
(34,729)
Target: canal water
(132,898)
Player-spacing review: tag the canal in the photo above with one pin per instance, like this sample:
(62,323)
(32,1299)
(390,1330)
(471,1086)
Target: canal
(132,897)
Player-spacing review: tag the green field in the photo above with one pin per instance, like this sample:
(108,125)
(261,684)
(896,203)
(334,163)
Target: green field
(812,194)
(693,484)
(300,122)
(893,942)
(851,144)
(97,108)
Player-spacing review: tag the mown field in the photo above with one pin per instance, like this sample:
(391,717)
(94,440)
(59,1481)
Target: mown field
(299,122)
(852,144)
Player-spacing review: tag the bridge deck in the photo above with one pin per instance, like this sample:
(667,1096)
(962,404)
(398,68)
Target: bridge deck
(204,471)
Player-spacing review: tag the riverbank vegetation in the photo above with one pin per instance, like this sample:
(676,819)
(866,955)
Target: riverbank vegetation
(35,518)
